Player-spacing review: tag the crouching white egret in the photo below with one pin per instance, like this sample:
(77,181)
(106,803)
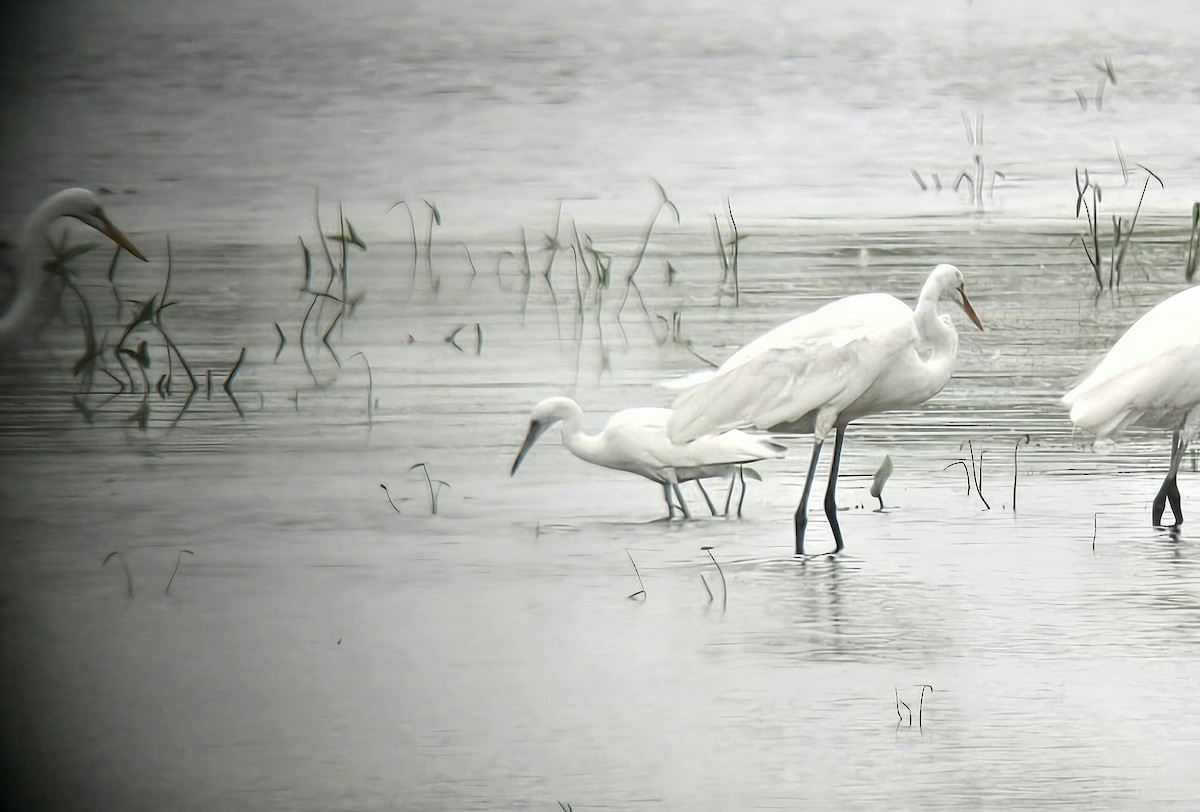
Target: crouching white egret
(1150,377)
(635,440)
(853,357)
(21,316)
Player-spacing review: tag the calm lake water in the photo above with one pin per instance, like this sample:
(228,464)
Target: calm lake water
(274,634)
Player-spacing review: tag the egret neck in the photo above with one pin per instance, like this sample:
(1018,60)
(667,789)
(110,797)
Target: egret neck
(938,346)
(588,447)
(29,272)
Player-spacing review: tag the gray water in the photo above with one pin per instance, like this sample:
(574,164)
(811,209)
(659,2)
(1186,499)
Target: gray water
(319,649)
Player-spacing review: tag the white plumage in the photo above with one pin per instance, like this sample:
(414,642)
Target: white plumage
(635,440)
(855,356)
(1150,377)
(21,315)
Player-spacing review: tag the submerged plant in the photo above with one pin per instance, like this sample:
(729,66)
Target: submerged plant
(978,475)
(664,202)
(724,586)
(178,560)
(228,384)
(1108,75)
(1024,439)
(1121,236)
(730,267)
(128,577)
(388,494)
(345,237)
(1193,256)
(881,478)
(642,590)
(433,492)
(975,178)
(920,707)
(900,702)
(370,388)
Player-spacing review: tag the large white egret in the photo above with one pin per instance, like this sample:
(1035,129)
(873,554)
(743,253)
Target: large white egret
(853,357)
(635,440)
(22,314)
(1150,377)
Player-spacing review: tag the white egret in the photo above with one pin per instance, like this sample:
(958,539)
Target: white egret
(635,440)
(21,315)
(1150,377)
(853,357)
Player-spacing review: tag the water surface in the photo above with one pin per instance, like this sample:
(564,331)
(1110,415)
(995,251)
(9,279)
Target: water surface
(319,648)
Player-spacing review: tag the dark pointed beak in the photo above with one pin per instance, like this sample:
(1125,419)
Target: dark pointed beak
(966,306)
(536,428)
(116,235)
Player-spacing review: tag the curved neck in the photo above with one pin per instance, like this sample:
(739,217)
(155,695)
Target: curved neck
(582,445)
(939,339)
(22,308)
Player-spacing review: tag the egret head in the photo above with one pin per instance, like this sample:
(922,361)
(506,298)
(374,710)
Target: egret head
(85,207)
(948,280)
(543,417)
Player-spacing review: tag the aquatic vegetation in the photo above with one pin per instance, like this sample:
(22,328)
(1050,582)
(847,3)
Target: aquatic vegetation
(370,388)
(452,337)
(642,590)
(125,566)
(1024,439)
(664,202)
(178,561)
(345,237)
(742,472)
(412,225)
(282,341)
(388,494)
(978,475)
(1193,248)
(721,572)
(730,268)
(1108,75)
(973,474)
(435,218)
(973,179)
(881,478)
(1121,237)
(433,492)
(900,702)
(228,384)
(920,707)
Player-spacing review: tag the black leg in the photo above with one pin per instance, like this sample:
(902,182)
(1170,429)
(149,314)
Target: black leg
(1159,505)
(1170,486)
(830,500)
(1176,505)
(802,510)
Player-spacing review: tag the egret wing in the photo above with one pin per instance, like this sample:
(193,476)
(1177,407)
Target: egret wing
(1153,369)
(639,437)
(822,361)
